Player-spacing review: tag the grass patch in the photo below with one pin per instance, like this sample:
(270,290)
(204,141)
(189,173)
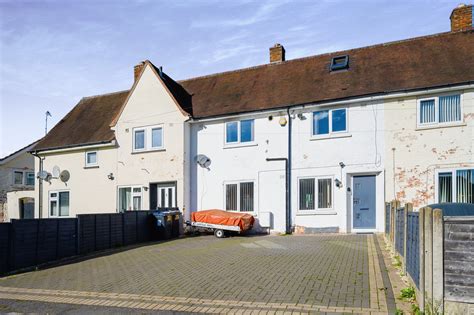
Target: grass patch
(408,294)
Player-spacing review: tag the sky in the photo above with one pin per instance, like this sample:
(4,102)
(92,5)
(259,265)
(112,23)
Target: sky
(53,53)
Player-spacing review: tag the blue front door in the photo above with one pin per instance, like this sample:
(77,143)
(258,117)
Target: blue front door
(363,202)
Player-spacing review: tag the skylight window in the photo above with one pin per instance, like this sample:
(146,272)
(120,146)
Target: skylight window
(339,63)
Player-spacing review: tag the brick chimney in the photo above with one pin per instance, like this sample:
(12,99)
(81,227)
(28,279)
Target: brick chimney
(461,18)
(137,70)
(277,53)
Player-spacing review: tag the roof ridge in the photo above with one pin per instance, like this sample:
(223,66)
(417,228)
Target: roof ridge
(324,54)
(105,94)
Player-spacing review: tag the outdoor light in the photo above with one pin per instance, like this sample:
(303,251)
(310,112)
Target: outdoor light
(338,183)
(110,176)
(283,121)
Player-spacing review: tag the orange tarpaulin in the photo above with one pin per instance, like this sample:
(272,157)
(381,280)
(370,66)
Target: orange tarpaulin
(243,220)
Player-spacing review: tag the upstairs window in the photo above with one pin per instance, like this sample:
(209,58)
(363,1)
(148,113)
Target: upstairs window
(148,138)
(30,178)
(339,63)
(440,110)
(18,178)
(239,131)
(91,159)
(326,122)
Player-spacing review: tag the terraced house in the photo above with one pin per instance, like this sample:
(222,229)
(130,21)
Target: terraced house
(306,145)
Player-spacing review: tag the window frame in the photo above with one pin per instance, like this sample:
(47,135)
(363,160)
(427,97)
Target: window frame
(22,177)
(453,172)
(334,67)
(316,209)
(148,138)
(436,123)
(96,164)
(239,133)
(239,182)
(133,194)
(330,132)
(26,178)
(57,203)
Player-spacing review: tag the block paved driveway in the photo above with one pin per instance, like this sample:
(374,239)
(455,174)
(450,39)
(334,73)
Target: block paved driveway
(261,274)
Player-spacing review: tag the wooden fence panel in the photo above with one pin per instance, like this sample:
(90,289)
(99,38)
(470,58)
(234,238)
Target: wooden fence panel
(458,261)
(102,231)
(400,231)
(5,238)
(47,241)
(24,244)
(86,233)
(67,238)
(413,247)
(130,227)
(387,218)
(116,229)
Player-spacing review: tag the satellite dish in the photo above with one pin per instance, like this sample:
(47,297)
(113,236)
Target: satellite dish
(203,161)
(56,171)
(64,176)
(43,175)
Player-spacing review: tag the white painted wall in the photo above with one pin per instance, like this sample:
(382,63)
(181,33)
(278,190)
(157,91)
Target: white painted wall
(361,150)
(91,191)
(13,203)
(419,153)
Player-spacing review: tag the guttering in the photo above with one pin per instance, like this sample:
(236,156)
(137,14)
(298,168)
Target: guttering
(75,147)
(348,100)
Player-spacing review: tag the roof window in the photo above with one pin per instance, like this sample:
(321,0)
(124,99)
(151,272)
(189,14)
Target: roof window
(339,63)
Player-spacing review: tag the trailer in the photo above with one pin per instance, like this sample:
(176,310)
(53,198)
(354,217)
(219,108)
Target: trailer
(218,229)
(220,221)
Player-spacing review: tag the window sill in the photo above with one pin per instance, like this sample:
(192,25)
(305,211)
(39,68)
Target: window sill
(439,126)
(91,166)
(331,136)
(315,212)
(240,145)
(148,151)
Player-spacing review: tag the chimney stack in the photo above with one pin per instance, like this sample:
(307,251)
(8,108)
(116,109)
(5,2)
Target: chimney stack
(277,53)
(462,18)
(137,70)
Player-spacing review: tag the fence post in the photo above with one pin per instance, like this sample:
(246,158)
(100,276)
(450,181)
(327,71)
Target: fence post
(429,258)
(438,263)
(421,232)
(408,208)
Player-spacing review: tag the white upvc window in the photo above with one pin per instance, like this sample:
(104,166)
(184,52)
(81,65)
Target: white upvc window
(239,196)
(59,203)
(148,138)
(455,185)
(91,159)
(439,110)
(315,193)
(328,122)
(130,198)
(240,132)
(21,177)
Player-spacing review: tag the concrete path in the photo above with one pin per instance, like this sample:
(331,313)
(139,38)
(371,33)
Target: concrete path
(266,274)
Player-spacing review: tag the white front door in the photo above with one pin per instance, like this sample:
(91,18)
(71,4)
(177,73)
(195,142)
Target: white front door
(166,196)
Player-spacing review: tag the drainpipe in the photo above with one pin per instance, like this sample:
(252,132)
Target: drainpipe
(40,186)
(287,176)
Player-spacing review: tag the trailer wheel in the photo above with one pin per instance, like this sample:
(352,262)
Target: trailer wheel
(219,233)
